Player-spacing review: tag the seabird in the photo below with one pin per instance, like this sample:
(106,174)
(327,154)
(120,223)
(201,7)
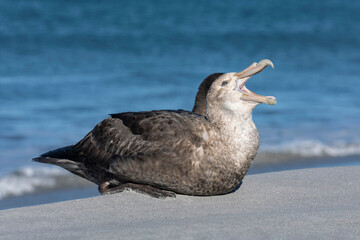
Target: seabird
(163,152)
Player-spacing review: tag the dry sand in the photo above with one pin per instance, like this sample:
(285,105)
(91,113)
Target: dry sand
(321,203)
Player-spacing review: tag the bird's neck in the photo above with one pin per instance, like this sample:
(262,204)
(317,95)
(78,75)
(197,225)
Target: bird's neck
(230,123)
(225,119)
(238,131)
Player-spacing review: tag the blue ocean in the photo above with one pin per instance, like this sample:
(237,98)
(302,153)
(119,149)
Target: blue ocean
(66,65)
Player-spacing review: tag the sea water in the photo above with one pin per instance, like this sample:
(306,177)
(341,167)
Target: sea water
(65,65)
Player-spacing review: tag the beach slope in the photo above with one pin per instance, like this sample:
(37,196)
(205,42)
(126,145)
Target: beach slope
(321,203)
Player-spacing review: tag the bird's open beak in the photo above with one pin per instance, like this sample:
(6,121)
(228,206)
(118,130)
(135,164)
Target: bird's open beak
(245,75)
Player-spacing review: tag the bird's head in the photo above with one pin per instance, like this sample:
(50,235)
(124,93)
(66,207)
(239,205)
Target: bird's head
(228,91)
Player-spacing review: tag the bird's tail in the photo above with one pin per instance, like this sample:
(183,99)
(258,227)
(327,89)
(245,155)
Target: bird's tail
(69,165)
(67,159)
(62,157)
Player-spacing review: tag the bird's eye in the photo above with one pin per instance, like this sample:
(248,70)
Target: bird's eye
(224,83)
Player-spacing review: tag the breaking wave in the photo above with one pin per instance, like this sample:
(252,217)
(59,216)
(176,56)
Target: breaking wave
(313,148)
(305,154)
(36,179)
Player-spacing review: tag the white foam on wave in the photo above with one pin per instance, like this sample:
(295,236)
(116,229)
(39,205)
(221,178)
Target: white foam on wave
(314,148)
(28,180)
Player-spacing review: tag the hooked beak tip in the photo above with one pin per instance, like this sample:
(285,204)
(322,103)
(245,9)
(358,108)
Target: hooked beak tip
(254,68)
(265,62)
(271,101)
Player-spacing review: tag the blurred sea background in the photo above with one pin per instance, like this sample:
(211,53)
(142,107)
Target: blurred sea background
(65,65)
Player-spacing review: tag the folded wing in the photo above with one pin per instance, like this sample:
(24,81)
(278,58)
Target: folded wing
(144,147)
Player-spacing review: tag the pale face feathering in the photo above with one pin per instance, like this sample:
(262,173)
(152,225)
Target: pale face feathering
(229,92)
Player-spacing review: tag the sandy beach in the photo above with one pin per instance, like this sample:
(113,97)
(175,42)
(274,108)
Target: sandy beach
(320,203)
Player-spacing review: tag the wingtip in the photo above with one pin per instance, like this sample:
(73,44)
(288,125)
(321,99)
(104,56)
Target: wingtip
(36,159)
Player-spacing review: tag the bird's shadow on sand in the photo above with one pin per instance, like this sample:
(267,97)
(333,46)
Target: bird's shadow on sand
(237,187)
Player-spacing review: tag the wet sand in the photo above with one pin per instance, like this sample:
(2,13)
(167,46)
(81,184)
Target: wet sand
(318,203)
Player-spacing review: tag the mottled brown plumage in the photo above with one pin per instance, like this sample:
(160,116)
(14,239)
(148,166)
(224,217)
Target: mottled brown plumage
(166,151)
